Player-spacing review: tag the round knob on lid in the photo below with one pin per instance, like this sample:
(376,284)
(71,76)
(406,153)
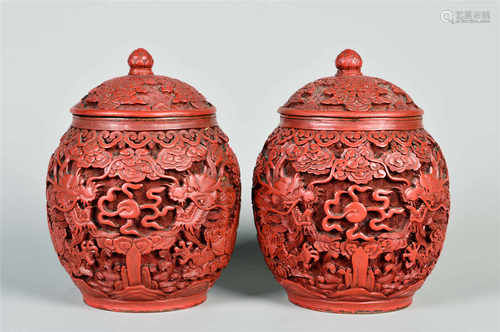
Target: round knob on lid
(140,62)
(348,63)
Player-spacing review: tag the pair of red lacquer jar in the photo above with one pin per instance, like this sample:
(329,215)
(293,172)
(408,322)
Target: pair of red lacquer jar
(350,194)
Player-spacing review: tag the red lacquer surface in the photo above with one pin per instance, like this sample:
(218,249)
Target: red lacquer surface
(351,197)
(143,209)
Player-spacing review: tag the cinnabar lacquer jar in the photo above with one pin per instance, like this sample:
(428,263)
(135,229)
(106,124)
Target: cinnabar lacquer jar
(143,193)
(351,195)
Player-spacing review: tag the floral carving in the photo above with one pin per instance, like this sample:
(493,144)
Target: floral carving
(356,93)
(108,96)
(134,166)
(90,155)
(311,159)
(358,165)
(350,216)
(149,93)
(351,93)
(143,216)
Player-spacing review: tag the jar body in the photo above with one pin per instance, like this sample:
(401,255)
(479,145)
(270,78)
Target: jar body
(351,221)
(143,220)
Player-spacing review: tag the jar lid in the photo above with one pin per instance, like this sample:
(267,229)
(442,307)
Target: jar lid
(141,94)
(350,94)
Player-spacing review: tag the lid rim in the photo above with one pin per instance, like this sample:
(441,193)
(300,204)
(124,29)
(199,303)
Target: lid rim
(140,124)
(349,114)
(351,124)
(144,113)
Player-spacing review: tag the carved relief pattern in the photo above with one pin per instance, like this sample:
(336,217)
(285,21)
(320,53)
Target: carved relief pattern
(353,93)
(156,93)
(143,215)
(351,214)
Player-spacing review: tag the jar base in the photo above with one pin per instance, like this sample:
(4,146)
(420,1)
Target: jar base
(350,307)
(145,306)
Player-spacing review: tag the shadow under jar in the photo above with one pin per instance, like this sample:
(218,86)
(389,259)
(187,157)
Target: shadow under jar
(143,194)
(351,195)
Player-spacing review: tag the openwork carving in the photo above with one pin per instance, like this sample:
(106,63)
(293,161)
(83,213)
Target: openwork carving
(143,216)
(351,216)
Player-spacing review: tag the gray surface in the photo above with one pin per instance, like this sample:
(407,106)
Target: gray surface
(248,59)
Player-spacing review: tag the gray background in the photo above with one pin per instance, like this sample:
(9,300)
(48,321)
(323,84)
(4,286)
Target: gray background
(248,58)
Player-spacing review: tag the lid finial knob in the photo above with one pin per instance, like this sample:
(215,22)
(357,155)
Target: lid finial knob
(348,63)
(140,62)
